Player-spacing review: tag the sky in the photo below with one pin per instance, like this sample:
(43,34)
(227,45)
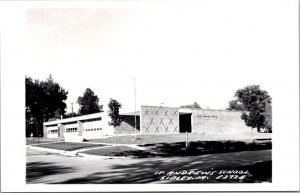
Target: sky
(178,54)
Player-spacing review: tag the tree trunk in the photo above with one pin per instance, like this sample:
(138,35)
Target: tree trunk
(116,138)
(252,134)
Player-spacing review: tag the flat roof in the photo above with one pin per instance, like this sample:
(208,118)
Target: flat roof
(191,109)
(78,118)
(137,113)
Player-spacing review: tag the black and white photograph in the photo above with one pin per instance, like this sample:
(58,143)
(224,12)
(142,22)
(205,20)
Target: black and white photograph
(156,94)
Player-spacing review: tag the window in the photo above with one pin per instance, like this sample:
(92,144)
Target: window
(91,120)
(69,123)
(92,129)
(54,125)
(69,130)
(52,131)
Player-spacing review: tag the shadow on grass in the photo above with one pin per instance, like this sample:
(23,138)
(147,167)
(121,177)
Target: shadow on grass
(194,149)
(261,171)
(37,170)
(144,172)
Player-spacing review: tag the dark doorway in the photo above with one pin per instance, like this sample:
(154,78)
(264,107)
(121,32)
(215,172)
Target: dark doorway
(185,123)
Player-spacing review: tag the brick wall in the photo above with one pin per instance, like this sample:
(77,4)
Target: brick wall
(127,125)
(159,120)
(218,121)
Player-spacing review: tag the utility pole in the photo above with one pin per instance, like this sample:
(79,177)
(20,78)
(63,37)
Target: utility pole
(37,127)
(72,108)
(37,130)
(187,140)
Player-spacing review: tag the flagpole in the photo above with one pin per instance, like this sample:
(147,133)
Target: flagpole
(134,109)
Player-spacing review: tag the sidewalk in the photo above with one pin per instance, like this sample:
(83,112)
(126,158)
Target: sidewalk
(78,152)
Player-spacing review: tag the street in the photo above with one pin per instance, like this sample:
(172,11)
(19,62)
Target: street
(45,167)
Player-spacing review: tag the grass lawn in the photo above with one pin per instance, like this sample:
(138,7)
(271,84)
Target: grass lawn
(68,146)
(30,141)
(115,151)
(205,147)
(179,149)
(172,138)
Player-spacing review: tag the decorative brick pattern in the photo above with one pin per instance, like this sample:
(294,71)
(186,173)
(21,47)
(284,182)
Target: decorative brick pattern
(159,120)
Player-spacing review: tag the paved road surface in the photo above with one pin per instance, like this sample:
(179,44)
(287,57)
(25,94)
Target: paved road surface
(43,167)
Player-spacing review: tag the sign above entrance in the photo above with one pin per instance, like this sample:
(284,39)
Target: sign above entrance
(207,116)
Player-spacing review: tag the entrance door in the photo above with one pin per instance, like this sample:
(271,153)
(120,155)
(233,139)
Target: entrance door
(185,123)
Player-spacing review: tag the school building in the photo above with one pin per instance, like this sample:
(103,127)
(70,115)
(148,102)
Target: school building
(149,120)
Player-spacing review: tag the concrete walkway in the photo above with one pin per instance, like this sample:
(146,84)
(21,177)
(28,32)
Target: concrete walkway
(78,152)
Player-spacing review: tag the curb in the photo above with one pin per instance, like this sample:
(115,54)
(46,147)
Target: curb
(73,153)
(136,147)
(62,152)
(100,156)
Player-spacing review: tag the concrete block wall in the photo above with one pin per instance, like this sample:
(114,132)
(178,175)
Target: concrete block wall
(61,130)
(45,131)
(218,122)
(127,125)
(159,120)
(80,128)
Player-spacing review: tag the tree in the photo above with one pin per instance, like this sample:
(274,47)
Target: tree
(192,106)
(43,100)
(113,111)
(88,103)
(257,104)
(268,115)
(55,96)
(235,105)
